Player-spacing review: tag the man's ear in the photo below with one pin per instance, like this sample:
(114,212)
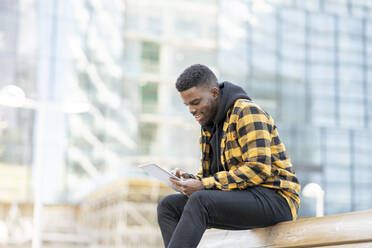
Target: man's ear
(215,92)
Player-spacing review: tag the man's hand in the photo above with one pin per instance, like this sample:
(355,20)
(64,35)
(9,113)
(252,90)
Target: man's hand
(187,186)
(180,173)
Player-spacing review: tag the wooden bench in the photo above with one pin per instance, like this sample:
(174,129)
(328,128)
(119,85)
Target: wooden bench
(352,229)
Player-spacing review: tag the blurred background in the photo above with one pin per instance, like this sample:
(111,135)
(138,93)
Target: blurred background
(87,94)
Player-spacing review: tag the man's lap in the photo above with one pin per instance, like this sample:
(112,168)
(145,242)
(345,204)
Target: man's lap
(239,209)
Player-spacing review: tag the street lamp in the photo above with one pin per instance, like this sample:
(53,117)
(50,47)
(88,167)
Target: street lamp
(313,190)
(14,96)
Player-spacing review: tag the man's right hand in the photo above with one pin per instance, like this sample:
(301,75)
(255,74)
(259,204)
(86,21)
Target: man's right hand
(180,173)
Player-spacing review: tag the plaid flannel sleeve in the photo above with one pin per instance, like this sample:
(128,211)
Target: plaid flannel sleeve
(253,134)
(198,176)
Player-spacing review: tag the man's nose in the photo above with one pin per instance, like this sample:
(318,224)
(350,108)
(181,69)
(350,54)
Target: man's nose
(192,110)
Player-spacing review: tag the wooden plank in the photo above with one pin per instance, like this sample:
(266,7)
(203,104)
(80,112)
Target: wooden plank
(357,245)
(354,227)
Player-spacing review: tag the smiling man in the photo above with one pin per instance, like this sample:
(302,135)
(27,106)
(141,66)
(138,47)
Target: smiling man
(246,179)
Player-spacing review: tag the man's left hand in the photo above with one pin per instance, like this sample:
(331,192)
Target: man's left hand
(187,186)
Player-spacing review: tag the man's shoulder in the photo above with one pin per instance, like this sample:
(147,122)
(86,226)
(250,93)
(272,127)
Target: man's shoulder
(243,104)
(246,106)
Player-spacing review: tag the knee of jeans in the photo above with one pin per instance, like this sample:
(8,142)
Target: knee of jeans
(164,204)
(199,197)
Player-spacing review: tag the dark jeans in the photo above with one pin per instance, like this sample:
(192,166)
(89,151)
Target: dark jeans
(183,220)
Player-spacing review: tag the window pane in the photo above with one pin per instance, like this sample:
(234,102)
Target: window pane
(149,97)
(351,113)
(323,111)
(148,133)
(150,56)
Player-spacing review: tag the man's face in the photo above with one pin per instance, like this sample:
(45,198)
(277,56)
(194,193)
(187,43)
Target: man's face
(202,102)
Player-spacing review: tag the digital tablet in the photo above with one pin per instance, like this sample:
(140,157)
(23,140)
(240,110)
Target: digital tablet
(159,173)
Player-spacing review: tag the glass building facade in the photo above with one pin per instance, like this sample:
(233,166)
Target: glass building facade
(307,63)
(17,65)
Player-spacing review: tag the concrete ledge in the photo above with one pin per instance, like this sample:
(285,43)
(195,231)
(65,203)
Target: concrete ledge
(352,229)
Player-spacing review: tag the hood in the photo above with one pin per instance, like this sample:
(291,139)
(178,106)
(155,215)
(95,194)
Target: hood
(229,94)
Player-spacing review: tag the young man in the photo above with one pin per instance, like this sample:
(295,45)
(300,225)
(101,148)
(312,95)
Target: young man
(246,179)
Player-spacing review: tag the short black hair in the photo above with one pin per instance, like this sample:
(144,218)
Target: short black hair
(196,75)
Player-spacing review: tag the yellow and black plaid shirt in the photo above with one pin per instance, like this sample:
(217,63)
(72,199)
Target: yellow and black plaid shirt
(251,154)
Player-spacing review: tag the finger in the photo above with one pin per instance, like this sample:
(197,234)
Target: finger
(179,173)
(176,172)
(177,186)
(185,175)
(175,181)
